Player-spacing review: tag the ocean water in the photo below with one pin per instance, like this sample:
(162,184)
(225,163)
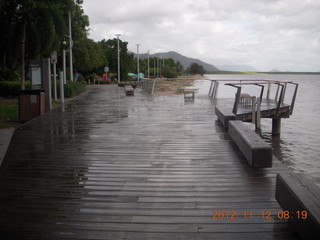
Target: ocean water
(298,146)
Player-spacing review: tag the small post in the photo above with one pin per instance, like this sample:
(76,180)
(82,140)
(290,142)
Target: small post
(61,87)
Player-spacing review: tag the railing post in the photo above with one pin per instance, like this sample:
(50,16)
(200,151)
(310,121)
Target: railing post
(268,91)
(293,98)
(258,125)
(283,93)
(215,90)
(277,93)
(236,101)
(279,101)
(211,89)
(253,118)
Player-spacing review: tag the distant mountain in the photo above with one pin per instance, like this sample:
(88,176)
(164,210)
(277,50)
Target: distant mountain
(245,68)
(274,70)
(185,61)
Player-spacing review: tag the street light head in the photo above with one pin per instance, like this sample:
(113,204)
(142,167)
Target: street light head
(118,35)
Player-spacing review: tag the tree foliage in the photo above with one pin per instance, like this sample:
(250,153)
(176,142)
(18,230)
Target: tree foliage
(32,29)
(110,48)
(161,67)
(89,56)
(196,68)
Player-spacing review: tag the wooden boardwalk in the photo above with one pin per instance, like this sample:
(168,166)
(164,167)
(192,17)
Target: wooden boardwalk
(111,166)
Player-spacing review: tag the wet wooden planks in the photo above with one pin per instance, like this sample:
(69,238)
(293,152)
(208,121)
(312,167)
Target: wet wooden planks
(116,167)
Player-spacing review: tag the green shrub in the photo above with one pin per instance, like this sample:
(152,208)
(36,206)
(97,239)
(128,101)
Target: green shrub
(11,89)
(8,75)
(72,89)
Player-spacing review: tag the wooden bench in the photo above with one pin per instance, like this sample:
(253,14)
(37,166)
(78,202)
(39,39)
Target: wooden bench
(129,90)
(224,115)
(187,92)
(300,197)
(245,99)
(257,152)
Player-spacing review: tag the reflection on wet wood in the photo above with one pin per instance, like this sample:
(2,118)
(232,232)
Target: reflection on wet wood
(113,167)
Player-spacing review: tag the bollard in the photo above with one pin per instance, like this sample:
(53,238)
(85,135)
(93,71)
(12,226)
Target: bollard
(61,87)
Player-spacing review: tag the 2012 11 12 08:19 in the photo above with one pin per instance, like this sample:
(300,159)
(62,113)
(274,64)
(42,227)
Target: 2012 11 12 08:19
(265,214)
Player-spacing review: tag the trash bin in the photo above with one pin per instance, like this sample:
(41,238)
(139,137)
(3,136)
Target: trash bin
(31,104)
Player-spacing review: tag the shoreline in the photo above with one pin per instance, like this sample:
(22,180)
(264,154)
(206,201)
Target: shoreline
(171,86)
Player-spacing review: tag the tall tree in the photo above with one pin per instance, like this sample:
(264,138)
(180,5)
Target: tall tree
(110,48)
(89,56)
(196,68)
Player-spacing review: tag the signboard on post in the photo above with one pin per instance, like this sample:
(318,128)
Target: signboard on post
(54,57)
(106,69)
(36,74)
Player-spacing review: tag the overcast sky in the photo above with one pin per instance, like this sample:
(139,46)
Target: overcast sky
(266,34)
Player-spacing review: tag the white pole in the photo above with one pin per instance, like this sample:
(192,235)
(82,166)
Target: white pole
(118,35)
(55,81)
(61,87)
(138,62)
(148,64)
(64,66)
(70,48)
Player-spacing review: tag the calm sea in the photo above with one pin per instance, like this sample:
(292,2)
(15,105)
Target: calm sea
(298,146)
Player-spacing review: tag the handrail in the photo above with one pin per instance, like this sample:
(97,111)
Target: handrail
(261,93)
(279,101)
(237,99)
(293,98)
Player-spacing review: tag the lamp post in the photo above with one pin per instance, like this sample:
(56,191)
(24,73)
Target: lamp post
(64,59)
(64,64)
(138,62)
(148,64)
(118,35)
(70,48)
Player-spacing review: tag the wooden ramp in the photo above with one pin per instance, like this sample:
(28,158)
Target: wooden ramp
(112,167)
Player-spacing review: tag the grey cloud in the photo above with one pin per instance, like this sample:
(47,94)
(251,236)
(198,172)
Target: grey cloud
(229,30)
